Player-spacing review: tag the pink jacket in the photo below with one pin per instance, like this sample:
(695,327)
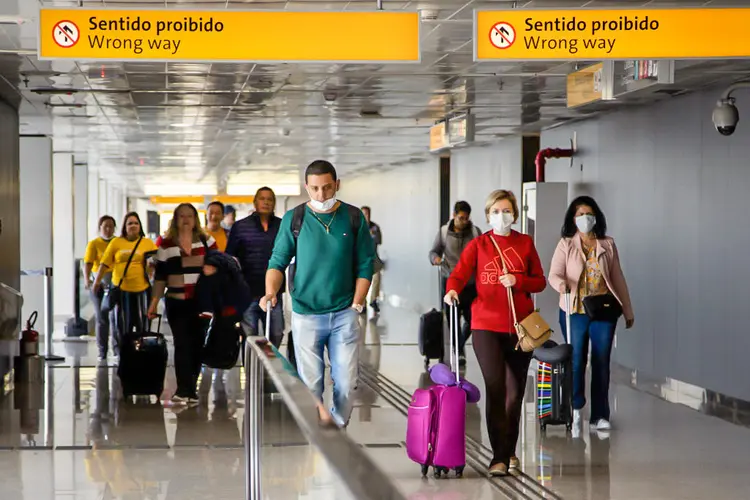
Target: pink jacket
(568,264)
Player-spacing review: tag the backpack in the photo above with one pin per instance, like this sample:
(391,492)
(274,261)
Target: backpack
(444,232)
(297,217)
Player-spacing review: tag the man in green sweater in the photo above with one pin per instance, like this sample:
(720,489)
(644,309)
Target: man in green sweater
(332,272)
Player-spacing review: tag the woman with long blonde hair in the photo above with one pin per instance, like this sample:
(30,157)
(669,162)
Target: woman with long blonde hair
(178,266)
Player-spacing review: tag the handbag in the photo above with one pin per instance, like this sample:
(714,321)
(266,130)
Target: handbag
(604,307)
(113,295)
(221,345)
(533,331)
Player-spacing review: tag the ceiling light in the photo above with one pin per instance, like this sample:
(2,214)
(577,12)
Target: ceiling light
(251,189)
(170,189)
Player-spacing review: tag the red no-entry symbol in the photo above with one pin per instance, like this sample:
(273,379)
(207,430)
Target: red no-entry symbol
(502,35)
(66,34)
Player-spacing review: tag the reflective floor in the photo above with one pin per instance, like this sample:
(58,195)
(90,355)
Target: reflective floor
(74,438)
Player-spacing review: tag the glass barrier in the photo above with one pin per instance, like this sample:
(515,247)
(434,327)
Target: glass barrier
(287,451)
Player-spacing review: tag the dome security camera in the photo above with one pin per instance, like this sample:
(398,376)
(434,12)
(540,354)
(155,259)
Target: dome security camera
(725,116)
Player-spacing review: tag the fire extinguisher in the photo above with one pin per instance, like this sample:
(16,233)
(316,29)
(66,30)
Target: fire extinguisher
(30,337)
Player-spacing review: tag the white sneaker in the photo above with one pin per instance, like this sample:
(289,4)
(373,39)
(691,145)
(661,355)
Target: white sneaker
(603,425)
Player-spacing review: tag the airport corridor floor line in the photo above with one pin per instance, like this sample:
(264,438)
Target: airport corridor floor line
(516,486)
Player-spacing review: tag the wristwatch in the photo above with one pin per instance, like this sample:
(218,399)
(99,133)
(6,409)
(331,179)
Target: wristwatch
(358,307)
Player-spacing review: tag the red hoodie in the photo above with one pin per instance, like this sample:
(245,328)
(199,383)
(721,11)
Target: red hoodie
(480,260)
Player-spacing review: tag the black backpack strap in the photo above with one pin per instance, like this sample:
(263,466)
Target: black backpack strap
(355,219)
(297,216)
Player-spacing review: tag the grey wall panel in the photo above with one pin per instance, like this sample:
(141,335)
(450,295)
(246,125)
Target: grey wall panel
(405,202)
(476,172)
(10,263)
(675,194)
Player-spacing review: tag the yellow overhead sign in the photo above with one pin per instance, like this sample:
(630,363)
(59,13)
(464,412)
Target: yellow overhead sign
(225,35)
(611,34)
(585,86)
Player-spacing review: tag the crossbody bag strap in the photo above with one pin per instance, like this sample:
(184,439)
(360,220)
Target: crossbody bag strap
(130,259)
(519,330)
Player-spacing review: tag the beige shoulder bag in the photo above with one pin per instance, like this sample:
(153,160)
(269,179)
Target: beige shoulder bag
(532,331)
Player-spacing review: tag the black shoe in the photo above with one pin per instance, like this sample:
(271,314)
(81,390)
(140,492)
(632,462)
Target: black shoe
(375,306)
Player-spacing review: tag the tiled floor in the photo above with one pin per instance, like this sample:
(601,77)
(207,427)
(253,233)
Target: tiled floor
(88,444)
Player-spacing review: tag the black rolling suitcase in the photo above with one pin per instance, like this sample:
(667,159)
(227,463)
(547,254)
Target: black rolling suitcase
(431,327)
(143,363)
(554,384)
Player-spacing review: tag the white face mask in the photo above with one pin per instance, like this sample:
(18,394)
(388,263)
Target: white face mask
(501,222)
(323,206)
(585,223)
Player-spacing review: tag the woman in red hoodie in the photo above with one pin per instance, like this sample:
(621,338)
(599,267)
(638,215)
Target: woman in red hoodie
(504,368)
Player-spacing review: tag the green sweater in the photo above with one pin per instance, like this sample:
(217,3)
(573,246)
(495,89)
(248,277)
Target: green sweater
(327,264)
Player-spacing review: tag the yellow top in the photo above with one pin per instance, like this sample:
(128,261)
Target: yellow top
(94,252)
(221,238)
(116,257)
(591,282)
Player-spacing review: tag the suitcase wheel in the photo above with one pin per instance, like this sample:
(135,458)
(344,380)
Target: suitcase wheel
(440,471)
(426,363)
(425,470)
(460,471)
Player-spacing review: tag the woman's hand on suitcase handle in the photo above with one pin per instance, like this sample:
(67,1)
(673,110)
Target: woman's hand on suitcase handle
(152,309)
(451,298)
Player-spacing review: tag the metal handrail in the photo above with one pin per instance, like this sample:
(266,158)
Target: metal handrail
(364,479)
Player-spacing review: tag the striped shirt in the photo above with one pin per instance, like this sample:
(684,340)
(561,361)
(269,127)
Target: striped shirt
(178,269)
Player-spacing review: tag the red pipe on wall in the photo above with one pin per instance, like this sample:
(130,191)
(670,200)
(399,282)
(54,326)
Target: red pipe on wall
(544,154)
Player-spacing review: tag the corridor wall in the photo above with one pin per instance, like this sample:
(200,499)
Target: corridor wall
(675,195)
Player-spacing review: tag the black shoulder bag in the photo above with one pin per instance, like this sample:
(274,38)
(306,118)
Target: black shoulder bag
(113,296)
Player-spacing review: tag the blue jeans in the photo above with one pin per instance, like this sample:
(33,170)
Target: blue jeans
(255,315)
(339,332)
(601,334)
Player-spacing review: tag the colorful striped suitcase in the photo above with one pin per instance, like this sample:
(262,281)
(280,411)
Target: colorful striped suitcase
(554,381)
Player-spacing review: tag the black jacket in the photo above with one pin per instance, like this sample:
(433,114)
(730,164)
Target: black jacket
(226,291)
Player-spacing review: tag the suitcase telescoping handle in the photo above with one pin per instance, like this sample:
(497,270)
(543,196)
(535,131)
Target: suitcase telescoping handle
(268,321)
(158,326)
(454,326)
(567,315)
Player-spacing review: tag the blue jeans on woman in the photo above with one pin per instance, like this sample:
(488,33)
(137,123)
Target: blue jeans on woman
(601,334)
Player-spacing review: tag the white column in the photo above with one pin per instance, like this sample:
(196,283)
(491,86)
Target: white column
(62,234)
(35,178)
(80,208)
(93,206)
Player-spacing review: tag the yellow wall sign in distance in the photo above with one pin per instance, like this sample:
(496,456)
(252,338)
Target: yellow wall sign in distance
(232,36)
(585,86)
(611,34)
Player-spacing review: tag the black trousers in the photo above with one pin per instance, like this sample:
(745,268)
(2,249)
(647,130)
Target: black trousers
(465,299)
(188,333)
(505,371)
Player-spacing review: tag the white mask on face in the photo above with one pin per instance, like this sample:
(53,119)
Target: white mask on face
(585,223)
(323,206)
(501,222)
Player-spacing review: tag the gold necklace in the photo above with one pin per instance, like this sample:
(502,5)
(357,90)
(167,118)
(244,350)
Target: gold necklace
(327,226)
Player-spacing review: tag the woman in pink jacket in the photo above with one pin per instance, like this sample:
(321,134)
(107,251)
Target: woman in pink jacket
(587,265)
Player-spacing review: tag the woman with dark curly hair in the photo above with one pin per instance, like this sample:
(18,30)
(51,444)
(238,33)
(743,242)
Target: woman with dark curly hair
(586,264)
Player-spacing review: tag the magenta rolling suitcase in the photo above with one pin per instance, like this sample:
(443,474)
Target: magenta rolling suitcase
(436,425)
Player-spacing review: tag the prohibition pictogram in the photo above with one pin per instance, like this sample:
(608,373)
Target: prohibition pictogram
(66,34)
(502,35)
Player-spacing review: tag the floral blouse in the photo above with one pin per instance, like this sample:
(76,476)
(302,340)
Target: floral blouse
(591,282)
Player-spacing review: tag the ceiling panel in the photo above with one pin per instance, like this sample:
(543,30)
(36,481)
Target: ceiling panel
(205,121)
